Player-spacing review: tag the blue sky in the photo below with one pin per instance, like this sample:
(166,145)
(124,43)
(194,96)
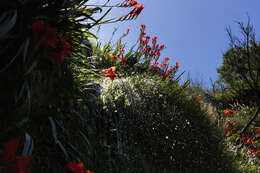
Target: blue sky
(193,31)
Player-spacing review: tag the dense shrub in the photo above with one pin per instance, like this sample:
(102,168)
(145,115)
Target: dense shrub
(169,129)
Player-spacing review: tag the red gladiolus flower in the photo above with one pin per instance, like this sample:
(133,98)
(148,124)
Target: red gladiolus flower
(198,98)
(138,10)
(250,141)
(128,3)
(154,39)
(59,57)
(37,29)
(123,59)
(132,3)
(8,153)
(7,156)
(73,167)
(257,152)
(132,12)
(177,64)
(127,30)
(143,26)
(113,57)
(147,49)
(157,46)
(156,63)
(164,65)
(166,59)
(111,73)
(162,46)
(47,33)
(21,163)
(50,37)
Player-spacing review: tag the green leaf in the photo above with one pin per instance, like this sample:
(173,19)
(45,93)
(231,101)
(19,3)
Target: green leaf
(12,60)
(34,64)
(3,16)
(54,131)
(63,150)
(25,50)
(8,23)
(28,146)
(101,18)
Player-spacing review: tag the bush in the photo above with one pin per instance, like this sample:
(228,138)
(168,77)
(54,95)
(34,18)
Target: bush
(169,129)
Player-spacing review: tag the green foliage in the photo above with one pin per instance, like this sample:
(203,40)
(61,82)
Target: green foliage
(240,68)
(157,118)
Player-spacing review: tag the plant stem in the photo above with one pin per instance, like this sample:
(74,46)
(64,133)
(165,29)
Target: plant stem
(250,122)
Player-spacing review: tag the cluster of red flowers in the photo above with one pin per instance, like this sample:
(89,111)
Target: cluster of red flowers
(19,164)
(153,52)
(129,3)
(8,157)
(249,141)
(227,129)
(111,73)
(121,54)
(136,11)
(74,167)
(57,45)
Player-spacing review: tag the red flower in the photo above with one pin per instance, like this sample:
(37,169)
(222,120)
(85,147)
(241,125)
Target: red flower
(257,132)
(123,59)
(257,152)
(252,151)
(177,64)
(59,56)
(154,40)
(243,137)
(167,59)
(198,98)
(138,10)
(74,167)
(21,163)
(122,51)
(143,26)
(8,153)
(162,46)
(129,3)
(113,57)
(229,133)
(164,65)
(37,29)
(147,49)
(156,63)
(157,46)
(111,73)
(127,30)
(250,141)
(7,156)
(228,111)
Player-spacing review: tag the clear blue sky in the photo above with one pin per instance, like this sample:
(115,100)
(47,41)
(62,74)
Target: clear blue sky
(193,31)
